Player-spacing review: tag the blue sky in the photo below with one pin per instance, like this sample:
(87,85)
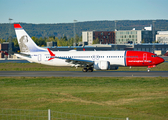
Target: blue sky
(65,11)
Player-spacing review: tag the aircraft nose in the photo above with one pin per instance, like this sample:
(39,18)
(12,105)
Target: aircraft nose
(161,60)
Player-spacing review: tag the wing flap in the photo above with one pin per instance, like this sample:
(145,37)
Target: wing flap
(77,61)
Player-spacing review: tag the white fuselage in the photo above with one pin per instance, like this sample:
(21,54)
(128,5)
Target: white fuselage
(114,57)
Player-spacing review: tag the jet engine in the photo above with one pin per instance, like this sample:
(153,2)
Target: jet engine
(101,65)
(104,65)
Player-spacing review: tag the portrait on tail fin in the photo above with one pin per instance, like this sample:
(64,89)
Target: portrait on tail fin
(22,44)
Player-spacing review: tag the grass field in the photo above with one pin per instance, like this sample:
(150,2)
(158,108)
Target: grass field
(118,97)
(40,67)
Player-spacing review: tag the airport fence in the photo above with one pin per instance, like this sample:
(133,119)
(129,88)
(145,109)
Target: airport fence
(19,114)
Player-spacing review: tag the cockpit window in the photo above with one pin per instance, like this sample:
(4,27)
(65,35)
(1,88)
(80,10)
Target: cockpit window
(154,55)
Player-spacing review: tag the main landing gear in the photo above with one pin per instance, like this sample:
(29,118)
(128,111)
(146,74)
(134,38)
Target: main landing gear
(90,69)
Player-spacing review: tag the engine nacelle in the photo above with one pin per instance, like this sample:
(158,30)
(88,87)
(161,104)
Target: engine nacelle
(101,65)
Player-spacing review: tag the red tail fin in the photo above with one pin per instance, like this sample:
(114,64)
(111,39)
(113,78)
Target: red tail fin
(17,26)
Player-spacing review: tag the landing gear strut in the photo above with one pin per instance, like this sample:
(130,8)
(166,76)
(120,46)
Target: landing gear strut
(149,67)
(84,69)
(90,69)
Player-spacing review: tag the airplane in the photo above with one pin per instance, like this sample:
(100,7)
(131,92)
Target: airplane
(89,60)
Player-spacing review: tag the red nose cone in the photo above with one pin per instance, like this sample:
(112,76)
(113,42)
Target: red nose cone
(161,60)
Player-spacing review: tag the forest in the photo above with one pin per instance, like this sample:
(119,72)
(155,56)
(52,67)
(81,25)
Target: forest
(63,41)
(63,33)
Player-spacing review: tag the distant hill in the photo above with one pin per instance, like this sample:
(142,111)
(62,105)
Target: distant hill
(61,29)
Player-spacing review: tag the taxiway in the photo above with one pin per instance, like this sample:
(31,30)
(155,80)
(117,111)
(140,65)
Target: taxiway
(84,74)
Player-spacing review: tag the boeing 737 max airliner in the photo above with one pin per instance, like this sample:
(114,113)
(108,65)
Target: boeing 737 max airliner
(89,60)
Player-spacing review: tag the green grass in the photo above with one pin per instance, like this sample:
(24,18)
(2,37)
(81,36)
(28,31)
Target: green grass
(40,67)
(118,97)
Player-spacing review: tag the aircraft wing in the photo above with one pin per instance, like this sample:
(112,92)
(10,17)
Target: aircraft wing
(70,60)
(77,61)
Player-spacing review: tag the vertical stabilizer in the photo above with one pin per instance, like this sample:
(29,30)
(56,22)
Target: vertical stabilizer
(25,42)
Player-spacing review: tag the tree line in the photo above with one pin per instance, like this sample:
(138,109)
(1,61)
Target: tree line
(66,29)
(63,41)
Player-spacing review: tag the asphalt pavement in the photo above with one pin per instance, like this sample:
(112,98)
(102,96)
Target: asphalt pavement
(84,74)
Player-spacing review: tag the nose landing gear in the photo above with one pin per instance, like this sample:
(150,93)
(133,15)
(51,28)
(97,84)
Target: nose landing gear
(149,67)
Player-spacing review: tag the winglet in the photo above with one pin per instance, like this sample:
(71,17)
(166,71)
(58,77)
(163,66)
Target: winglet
(51,53)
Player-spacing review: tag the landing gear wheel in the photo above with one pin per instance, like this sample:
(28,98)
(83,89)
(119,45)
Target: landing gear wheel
(148,70)
(90,69)
(84,69)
